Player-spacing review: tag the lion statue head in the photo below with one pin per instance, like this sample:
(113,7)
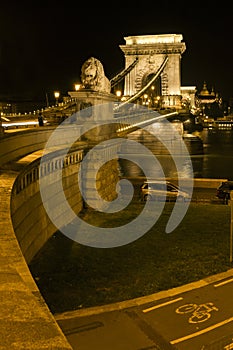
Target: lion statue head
(93,76)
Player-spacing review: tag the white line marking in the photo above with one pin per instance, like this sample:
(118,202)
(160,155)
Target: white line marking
(222,283)
(228,347)
(202,331)
(161,305)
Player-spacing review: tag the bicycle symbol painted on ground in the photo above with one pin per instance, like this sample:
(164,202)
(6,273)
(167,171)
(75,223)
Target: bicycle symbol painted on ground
(200,313)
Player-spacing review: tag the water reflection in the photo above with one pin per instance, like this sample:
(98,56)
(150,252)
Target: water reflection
(215,162)
(218,153)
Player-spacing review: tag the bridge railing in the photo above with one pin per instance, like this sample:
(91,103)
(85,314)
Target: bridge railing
(129,122)
(37,170)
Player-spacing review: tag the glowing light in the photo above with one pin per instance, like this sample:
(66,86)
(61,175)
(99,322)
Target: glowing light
(118,93)
(77,86)
(56,95)
(154,39)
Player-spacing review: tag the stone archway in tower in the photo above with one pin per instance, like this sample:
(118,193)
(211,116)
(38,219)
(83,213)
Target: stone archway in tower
(156,87)
(154,92)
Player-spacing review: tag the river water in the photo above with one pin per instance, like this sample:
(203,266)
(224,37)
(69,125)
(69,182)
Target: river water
(215,161)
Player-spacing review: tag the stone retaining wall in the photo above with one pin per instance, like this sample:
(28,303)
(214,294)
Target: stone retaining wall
(31,223)
(26,323)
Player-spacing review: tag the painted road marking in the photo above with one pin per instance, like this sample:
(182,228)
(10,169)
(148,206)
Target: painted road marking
(222,283)
(200,313)
(228,347)
(208,329)
(161,305)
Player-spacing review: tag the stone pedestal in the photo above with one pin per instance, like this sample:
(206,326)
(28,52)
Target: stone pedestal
(95,108)
(100,173)
(89,98)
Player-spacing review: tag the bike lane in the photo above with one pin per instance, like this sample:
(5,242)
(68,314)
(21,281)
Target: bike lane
(162,321)
(196,318)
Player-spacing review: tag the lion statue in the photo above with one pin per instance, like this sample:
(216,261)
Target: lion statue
(93,76)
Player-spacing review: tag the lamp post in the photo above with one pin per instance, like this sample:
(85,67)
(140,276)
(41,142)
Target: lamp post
(56,95)
(1,127)
(231,226)
(152,95)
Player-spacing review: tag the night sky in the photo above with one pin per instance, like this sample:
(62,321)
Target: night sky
(44,46)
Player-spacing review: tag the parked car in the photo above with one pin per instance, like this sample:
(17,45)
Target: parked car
(224,190)
(162,190)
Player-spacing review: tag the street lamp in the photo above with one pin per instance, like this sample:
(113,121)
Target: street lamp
(118,94)
(56,95)
(77,86)
(1,127)
(145,100)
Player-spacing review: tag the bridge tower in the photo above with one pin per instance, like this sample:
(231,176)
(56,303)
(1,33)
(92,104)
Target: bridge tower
(150,51)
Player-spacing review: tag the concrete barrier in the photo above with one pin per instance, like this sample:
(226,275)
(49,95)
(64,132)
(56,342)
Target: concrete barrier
(208,183)
(196,182)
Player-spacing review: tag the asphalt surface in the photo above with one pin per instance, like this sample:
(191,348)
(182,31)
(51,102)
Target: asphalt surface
(197,316)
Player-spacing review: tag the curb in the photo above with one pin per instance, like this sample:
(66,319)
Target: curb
(146,299)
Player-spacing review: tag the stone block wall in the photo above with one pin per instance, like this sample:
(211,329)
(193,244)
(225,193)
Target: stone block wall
(26,321)
(31,223)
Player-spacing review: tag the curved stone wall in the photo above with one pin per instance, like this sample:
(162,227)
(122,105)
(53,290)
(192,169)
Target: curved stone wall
(26,321)
(31,223)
